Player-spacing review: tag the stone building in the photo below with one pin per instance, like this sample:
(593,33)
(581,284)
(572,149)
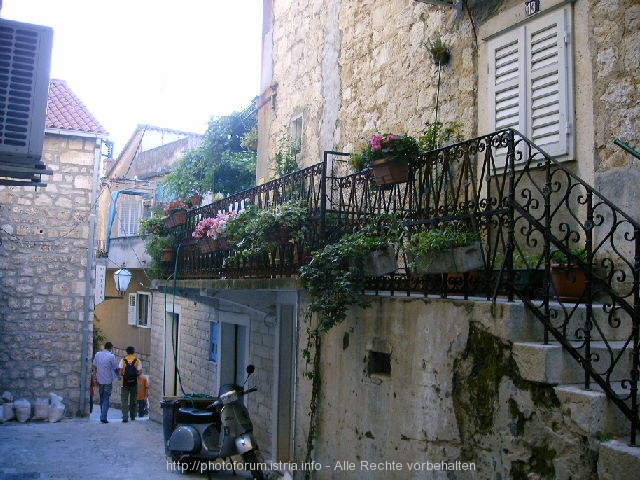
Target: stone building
(421,387)
(47,240)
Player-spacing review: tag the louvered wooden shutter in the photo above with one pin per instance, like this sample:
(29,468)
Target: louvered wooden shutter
(548,84)
(530,81)
(506,73)
(130,209)
(133,311)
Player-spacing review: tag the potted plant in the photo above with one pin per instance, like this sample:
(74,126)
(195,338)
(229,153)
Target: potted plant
(292,220)
(440,51)
(210,232)
(569,279)
(195,199)
(161,249)
(452,248)
(154,225)
(176,212)
(250,140)
(336,275)
(528,278)
(389,156)
(252,231)
(439,134)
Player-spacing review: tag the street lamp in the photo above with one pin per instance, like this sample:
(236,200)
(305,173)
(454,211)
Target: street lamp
(122,277)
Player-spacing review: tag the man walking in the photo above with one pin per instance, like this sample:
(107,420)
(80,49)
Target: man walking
(130,369)
(107,369)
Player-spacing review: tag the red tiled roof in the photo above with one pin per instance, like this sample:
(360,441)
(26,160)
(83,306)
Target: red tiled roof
(65,111)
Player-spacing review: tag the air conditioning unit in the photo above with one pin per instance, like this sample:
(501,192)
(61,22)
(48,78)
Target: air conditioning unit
(25,59)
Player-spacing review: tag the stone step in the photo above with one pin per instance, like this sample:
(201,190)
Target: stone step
(552,364)
(513,321)
(592,411)
(617,460)
(605,326)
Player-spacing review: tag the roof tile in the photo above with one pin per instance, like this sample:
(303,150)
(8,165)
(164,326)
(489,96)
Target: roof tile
(65,111)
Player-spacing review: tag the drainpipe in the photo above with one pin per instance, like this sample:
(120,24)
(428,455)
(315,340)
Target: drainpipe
(88,285)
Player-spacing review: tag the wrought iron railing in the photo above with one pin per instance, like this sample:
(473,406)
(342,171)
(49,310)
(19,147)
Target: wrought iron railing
(525,205)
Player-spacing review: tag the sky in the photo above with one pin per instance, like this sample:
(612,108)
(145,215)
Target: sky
(164,63)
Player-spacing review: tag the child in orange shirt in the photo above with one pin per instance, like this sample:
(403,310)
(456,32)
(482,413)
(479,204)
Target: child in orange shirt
(143,395)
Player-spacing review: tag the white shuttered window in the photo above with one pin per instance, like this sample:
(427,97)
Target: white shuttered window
(530,81)
(130,211)
(139,309)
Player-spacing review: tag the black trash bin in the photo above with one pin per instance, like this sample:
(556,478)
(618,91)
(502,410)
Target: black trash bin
(169,409)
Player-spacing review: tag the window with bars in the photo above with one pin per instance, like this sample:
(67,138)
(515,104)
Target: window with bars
(530,81)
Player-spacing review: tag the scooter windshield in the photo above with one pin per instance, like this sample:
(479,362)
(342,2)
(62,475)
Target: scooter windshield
(229,387)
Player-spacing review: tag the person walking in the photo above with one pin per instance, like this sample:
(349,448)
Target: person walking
(130,369)
(143,395)
(106,372)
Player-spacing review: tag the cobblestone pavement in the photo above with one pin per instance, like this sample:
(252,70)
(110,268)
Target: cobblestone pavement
(81,448)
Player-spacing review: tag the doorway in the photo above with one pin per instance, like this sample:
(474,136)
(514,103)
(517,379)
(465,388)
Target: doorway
(234,348)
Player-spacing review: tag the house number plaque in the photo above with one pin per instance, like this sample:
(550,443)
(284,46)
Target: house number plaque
(531,7)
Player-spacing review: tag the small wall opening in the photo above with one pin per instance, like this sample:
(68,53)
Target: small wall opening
(379,363)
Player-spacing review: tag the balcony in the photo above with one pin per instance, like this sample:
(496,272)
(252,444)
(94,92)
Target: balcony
(526,208)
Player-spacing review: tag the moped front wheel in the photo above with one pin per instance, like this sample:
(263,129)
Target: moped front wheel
(255,464)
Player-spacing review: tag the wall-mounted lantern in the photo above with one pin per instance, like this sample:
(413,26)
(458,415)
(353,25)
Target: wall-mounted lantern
(444,3)
(122,277)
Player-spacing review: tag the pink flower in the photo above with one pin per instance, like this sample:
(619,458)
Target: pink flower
(213,227)
(376,142)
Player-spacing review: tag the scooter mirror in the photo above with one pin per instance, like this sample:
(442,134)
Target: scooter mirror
(250,369)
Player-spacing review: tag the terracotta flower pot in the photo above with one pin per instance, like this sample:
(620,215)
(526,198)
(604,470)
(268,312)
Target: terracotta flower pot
(196,199)
(168,255)
(570,282)
(176,218)
(388,171)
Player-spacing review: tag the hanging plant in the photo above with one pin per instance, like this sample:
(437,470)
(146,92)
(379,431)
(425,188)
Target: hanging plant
(440,51)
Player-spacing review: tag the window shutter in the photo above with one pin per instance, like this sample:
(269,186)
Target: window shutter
(547,61)
(506,80)
(130,209)
(132,317)
(530,84)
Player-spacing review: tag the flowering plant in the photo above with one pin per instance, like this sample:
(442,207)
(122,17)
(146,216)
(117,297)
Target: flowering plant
(176,205)
(213,227)
(401,148)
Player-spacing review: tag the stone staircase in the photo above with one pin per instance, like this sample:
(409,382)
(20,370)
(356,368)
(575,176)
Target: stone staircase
(590,410)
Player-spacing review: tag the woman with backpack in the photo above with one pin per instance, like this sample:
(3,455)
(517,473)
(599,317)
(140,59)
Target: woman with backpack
(130,369)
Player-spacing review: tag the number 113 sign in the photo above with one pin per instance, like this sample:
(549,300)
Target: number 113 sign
(531,7)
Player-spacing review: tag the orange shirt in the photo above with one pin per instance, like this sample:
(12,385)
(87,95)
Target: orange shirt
(143,387)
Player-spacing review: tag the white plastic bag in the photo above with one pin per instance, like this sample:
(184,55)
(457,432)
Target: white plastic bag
(7,411)
(56,400)
(56,413)
(22,408)
(40,409)
(56,409)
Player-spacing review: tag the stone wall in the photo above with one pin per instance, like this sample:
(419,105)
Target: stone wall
(43,258)
(354,68)
(453,393)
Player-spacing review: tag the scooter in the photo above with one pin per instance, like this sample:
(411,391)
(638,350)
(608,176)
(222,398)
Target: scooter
(219,431)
